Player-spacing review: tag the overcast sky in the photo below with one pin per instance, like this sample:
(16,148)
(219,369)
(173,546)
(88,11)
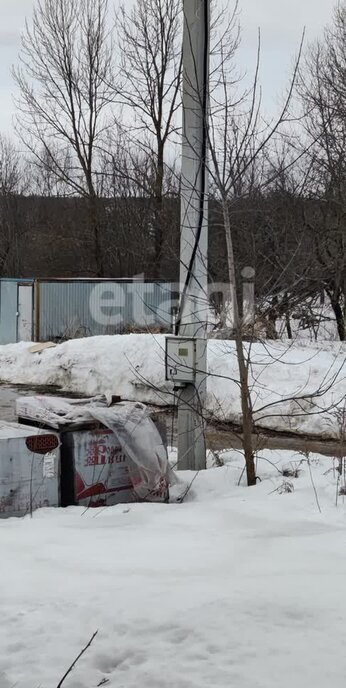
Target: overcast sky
(281,23)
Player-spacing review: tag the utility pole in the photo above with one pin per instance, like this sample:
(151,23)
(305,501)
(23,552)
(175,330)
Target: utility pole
(192,317)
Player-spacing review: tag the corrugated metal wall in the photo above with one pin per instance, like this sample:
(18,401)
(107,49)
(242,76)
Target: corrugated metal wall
(74,308)
(83,308)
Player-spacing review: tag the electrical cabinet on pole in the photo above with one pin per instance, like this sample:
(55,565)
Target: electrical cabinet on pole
(192,317)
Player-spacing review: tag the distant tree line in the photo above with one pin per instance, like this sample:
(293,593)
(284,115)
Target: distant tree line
(90,184)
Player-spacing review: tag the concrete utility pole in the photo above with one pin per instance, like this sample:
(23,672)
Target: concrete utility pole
(192,317)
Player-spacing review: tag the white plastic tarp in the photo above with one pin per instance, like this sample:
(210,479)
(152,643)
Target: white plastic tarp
(141,442)
(57,412)
(129,421)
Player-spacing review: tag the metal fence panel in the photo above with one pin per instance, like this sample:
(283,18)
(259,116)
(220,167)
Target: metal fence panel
(64,310)
(82,308)
(8,311)
(149,304)
(108,307)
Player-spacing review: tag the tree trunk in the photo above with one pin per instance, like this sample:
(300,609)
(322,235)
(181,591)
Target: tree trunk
(339,317)
(288,325)
(246,406)
(158,214)
(246,411)
(94,226)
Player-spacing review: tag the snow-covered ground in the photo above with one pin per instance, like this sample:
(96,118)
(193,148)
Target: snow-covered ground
(311,320)
(234,587)
(307,379)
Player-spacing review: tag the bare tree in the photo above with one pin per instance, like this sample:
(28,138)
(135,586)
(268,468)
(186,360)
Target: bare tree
(11,224)
(150,43)
(322,91)
(9,167)
(238,138)
(65,82)
(128,179)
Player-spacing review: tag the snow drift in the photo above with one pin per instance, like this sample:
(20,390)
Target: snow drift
(294,386)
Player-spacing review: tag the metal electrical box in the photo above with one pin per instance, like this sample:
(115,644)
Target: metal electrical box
(181,359)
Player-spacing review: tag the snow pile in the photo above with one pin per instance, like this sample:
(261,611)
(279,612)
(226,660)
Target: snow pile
(311,321)
(235,587)
(307,379)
